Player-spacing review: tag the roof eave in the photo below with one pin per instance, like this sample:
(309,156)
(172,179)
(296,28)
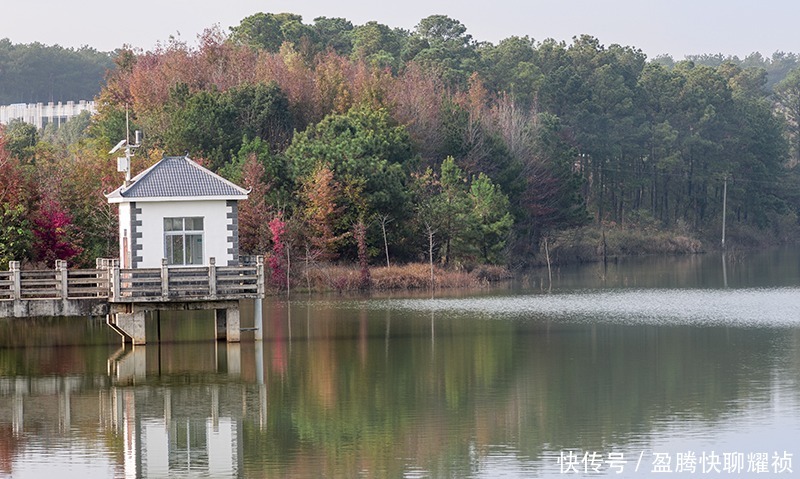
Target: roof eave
(166,199)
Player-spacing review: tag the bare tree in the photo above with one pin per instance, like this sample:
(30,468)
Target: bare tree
(384,220)
(430,231)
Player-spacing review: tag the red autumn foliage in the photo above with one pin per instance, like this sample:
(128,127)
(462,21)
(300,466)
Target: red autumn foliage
(276,260)
(54,233)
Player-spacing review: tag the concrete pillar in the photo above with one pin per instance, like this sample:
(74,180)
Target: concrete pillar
(132,325)
(258,318)
(212,277)
(164,279)
(61,275)
(234,329)
(16,282)
(228,324)
(234,352)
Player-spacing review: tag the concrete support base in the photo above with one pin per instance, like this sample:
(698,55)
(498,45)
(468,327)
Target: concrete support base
(228,324)
(129,325)
(129,319)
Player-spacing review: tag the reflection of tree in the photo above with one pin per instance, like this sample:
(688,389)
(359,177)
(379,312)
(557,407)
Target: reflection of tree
(768,269)
(352,405)
(49,332)
(8,448)
(526,385)
(59,361)
(589,387)
(348,396)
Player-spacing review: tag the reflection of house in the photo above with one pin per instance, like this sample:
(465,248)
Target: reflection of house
(169,443)
(195,447)
(166,428)
(178,210)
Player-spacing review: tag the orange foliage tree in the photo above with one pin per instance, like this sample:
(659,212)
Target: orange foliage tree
(320,195)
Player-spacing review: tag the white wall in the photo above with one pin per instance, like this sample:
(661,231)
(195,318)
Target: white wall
(39,114)
(215,229)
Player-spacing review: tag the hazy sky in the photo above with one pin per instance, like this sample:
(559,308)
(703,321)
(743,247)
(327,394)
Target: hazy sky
(675,27)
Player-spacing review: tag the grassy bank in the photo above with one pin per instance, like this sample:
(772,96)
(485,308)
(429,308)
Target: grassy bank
(415,276)
(587,244)
(610,240)
(593,243)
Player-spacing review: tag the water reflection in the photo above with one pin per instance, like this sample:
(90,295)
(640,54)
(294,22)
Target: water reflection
(476,386)
(739,269)
(347,391)
(744,307)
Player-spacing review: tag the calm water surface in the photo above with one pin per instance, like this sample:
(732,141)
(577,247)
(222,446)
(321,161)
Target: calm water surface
(647,365)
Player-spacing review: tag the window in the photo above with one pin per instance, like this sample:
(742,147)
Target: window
(183,240)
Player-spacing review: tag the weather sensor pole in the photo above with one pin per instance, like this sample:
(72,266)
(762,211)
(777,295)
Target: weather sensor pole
(124,162)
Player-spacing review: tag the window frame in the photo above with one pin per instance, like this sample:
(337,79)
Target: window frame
(172,231)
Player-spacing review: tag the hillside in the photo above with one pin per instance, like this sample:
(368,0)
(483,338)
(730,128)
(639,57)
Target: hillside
(357,139)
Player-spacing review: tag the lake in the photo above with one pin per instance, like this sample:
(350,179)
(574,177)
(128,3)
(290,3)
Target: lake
(675,366)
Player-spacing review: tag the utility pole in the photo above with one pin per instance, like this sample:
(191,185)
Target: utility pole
(724,208)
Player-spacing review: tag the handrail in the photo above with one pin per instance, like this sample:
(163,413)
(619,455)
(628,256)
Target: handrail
(108,280)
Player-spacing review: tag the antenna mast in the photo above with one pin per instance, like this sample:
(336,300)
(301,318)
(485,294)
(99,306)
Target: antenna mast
(124,162)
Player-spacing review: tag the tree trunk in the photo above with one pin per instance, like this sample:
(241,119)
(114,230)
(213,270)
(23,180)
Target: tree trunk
(429,229)
(549,271)
(385,219)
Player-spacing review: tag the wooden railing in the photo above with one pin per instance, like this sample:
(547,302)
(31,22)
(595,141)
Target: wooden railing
(107,280)
(60,283)
(7,285)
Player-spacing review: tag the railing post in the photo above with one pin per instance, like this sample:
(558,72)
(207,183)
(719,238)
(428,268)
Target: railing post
(16,287)
(212,277)
(164,279)
(260,276)
(61,272)
(113,278)
(103,278)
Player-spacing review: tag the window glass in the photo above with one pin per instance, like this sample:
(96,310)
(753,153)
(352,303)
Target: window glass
(175,249)
(180,246)
(194,224)
(194,249)
(173,224)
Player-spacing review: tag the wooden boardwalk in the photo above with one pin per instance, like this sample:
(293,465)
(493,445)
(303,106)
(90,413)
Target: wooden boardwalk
(110,290)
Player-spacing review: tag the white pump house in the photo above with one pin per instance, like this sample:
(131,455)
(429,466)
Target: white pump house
(179,211)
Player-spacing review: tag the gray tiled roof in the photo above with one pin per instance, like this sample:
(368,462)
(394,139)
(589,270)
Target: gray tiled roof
(178,176)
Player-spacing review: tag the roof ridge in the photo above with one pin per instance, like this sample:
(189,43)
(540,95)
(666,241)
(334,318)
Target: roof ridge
(219,177)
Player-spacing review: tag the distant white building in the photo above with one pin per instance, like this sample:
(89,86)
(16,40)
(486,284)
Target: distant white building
(178,210)
(43,114)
